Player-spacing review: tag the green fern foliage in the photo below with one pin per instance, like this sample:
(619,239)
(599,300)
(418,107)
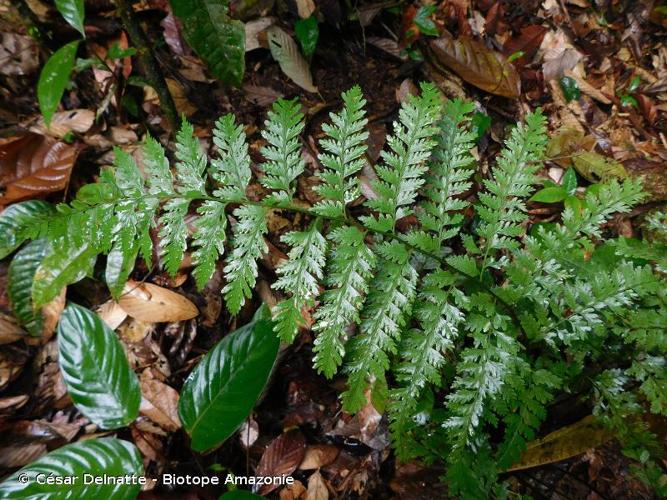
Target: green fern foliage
(466,321)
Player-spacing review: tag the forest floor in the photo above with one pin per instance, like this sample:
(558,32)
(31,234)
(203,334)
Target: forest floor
(596,67)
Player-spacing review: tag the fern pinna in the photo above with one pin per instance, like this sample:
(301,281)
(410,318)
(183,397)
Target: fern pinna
(465,324)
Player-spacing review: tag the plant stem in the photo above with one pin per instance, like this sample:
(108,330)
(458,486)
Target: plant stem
(147,61)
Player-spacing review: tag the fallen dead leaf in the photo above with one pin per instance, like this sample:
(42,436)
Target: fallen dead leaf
(281,458)
(286,53)
(64,122)
(32,165)
(159,402)
(19,55)
(317,488)
(262,96)
(12,403)
(253,29)
(249,432)
(111,313)
(10,331)
(183,105)
(294,491)
(152,303)
(478,65)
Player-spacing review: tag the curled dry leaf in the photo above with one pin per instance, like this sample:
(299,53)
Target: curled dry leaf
(253,29)
(159,402)
(281,458)
(478,65)
(32,165)
(51,313)
(10,331)
(286,53)
(152,303)
(319,455)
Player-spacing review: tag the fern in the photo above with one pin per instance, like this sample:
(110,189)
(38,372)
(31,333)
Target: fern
(475,358)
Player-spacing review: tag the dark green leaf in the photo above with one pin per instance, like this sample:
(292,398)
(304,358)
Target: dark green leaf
(217,39)
(95,369)
(570,181)
(424,22)
(73,12)
(109,456)
(115,52)
(570,88)
(480,124)
(54,78)
(19,221)
(21,273)
(549,195)
(61,268)
(222,390)
(628,100)
(307,32)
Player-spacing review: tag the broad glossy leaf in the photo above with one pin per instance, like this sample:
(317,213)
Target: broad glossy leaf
(119,267)
(569,181)
(286,53)
(21,273)
(54,78)
(18,221)
(95,370)
(73,12)
(33,165)
(109,456)
(222,390)
(478,65)
(61,268)
(214,36)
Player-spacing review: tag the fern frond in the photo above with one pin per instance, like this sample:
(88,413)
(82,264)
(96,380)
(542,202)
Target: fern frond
(299,276)
(350,267)
(345,147)
(384,315)
(502,209)
(400,175)
(283,153)
(191,162)
(156,166)
(174,233)
(248,245)
(422,350)
(448,177)
(232,168)
(209,240)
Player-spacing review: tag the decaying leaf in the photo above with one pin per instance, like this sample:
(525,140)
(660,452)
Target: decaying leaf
(595,167)
(159,402)
(478,65)
(111,313)
(317,488)
(32,165)
(564,443)
(527,43)
(281,458)
(64,122)
(566,142)
(19,55)
(152,303)
(10,331)
(286,53)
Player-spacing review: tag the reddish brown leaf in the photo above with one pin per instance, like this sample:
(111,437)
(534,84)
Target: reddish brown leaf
(281,457)
(478,65)
(32,165)
(159,402)
(319,455)
(528,42)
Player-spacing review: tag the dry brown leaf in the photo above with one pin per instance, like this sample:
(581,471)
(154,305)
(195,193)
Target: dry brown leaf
(281,458)
(317,488)
(305,8)
(286,53)
(64,122)
(528,42)
(262,96)
(32,165)
(564,443)
(19,55)
(558,55)
(253,29)
(319,455)
(20,455)
(10,331)
(478,65)
(12,403)
(183,105)
(294,491)
(159,402)
(111,313)
(249,432)
(152,303)
(51,313)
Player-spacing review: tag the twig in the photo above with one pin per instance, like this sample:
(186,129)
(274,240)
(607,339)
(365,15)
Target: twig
(147,61)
